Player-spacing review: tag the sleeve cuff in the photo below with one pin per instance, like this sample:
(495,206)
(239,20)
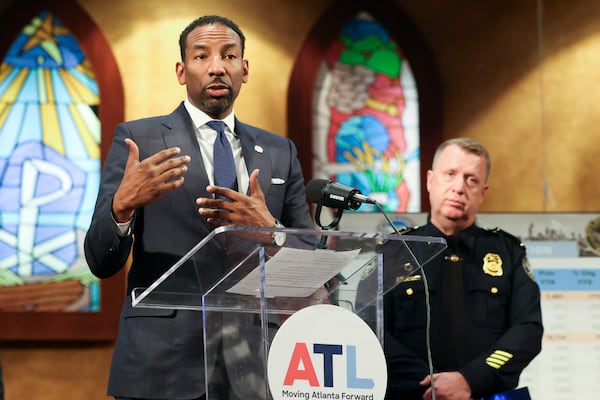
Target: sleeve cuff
(123,229)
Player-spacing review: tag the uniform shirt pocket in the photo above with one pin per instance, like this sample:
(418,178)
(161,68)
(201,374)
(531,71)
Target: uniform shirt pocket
(408,307)
(488,302)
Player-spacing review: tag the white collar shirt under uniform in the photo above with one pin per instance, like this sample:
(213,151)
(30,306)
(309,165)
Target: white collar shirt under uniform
(206,138)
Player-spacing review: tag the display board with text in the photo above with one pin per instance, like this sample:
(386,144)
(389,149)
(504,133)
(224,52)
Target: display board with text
(564,251)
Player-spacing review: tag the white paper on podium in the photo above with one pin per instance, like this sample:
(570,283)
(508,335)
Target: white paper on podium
(295,272)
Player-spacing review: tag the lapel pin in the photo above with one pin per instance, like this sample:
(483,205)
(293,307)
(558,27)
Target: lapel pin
(258,149)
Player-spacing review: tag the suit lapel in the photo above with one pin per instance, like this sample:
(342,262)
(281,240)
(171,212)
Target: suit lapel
(179,131)
(256,154)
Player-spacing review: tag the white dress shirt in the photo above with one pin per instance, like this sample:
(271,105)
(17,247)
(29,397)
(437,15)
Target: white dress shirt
(206,137)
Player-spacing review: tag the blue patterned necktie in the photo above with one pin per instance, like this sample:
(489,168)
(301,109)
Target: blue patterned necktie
(223,163)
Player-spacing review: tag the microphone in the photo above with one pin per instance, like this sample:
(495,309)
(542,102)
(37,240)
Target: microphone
(335,195)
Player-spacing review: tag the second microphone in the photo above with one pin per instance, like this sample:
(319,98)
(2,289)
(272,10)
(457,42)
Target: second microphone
(335,195)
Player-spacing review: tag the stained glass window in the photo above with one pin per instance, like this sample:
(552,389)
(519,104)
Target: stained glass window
(366,118)
(49,170)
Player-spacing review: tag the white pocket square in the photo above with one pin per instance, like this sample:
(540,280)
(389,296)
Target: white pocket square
(277,181)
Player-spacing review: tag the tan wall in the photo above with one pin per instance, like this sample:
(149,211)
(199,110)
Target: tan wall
(534,108)
(540,121)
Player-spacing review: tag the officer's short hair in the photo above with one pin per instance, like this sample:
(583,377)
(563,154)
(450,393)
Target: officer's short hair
(470,146)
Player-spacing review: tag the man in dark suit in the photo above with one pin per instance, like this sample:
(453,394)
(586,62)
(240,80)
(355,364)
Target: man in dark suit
(145,209)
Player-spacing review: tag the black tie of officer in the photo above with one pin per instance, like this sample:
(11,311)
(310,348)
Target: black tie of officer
(452,355)
(223,163)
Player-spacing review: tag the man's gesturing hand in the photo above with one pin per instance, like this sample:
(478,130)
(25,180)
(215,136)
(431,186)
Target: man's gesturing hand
(145,181)
(234,208)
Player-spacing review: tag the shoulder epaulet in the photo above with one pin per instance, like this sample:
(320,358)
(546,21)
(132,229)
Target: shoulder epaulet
(501,232)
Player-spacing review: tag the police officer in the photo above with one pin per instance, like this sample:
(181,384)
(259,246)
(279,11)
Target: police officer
(485,315)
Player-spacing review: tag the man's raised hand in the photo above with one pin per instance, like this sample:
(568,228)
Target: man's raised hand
(145,181)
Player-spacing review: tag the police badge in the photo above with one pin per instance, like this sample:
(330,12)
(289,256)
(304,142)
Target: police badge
(492,264)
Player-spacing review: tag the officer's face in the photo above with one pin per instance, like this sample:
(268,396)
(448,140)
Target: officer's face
(456,187)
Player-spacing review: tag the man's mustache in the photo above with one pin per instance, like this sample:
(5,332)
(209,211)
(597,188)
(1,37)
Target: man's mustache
(218,81)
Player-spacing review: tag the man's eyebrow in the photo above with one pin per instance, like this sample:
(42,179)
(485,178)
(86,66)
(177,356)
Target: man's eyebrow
(228,46)
(199,46)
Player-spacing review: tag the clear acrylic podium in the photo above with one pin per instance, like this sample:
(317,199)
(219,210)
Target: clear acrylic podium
(245,287)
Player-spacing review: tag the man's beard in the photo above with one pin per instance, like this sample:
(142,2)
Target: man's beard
(217,106)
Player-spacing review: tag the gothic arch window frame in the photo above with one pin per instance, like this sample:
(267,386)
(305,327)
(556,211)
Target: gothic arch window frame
(101,325)
(416,50)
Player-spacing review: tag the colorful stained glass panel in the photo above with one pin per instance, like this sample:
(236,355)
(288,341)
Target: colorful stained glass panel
(365,118)
(49,170)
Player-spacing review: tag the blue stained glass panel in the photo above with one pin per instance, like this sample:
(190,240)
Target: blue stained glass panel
(49,168)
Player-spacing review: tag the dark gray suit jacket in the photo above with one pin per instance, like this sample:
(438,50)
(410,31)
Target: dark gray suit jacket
(159,353)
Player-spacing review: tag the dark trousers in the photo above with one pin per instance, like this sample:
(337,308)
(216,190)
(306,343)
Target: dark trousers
(219,381)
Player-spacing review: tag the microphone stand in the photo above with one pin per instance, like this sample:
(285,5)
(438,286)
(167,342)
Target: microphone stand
(336,220)
(323,244)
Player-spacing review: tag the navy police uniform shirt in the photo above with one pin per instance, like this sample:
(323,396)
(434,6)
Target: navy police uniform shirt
(486,319)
